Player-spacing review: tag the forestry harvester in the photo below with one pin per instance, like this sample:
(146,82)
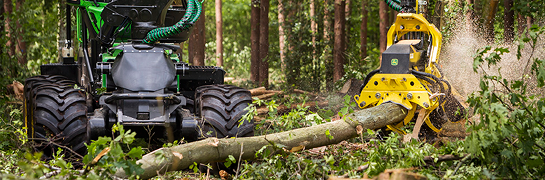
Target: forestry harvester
(127,71)
(408,73)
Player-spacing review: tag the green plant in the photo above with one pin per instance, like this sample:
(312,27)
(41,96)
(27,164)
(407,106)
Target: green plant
(509,137)
(105,155)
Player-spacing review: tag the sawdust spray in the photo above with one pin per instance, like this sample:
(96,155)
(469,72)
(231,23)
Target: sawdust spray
(458,53)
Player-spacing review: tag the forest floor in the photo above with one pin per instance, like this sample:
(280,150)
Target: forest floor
(278,111)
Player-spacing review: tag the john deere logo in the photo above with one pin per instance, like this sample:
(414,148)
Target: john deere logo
(395,62)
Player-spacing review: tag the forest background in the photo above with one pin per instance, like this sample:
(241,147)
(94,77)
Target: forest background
(323,44)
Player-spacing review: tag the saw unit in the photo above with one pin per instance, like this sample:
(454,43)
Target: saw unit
(408,73)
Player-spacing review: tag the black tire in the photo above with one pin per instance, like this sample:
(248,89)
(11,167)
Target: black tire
(221,107)
(190,105)
(56,118)
(35,82)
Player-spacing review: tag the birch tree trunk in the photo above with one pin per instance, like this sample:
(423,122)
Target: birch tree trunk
(214,150)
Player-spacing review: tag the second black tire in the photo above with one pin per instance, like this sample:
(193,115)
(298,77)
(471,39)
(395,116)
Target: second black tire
(222,108)
(57,118)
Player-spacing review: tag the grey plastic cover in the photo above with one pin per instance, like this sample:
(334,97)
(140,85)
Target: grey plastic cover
(143,69)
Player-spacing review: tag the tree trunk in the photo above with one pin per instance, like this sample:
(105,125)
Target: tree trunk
(328,26)
(313,27)
(383,28)
(10,44)
(254,38)
(21,44)
(281,35)
(197,42)
(219,35)
(490,19)
(509,21)
(469,14)
(2,24)
(215,150)
(529,22)
(338,51)
(363,29)
(264,44)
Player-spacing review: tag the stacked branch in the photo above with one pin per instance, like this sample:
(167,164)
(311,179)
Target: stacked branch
(215,150)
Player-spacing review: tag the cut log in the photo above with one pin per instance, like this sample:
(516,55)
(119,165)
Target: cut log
(215,150)
(258,91)
(269,94)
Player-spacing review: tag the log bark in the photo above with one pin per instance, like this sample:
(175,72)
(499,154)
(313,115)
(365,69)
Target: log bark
(214,150)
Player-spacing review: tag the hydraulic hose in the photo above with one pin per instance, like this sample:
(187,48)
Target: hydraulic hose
(394,4)
(191,15)
(438,81)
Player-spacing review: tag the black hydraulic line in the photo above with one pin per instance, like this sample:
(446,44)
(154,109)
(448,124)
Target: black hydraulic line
(69,25)
(86,54)
(434,83)
(394,4)
(367,78)
(438,81)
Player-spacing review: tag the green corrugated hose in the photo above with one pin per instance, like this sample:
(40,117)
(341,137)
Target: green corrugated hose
(190,17)
(394,4)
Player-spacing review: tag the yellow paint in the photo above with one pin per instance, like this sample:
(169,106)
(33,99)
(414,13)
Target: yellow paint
(410,22)
(405,89)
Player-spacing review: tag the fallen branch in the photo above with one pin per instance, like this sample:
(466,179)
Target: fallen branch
(214,150)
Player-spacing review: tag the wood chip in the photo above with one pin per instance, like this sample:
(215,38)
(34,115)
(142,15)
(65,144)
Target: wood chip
(359,129)
(102,153)
(297,148)
(215,143)
(177,154)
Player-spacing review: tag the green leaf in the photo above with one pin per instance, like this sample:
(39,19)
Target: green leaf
(136,153)
(328,134)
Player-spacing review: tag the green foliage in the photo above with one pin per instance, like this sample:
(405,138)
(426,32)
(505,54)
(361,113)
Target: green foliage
(229,161)
(509,136)
(113,155)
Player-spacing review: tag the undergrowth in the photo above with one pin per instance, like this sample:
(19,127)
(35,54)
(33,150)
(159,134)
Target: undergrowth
(505,142)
